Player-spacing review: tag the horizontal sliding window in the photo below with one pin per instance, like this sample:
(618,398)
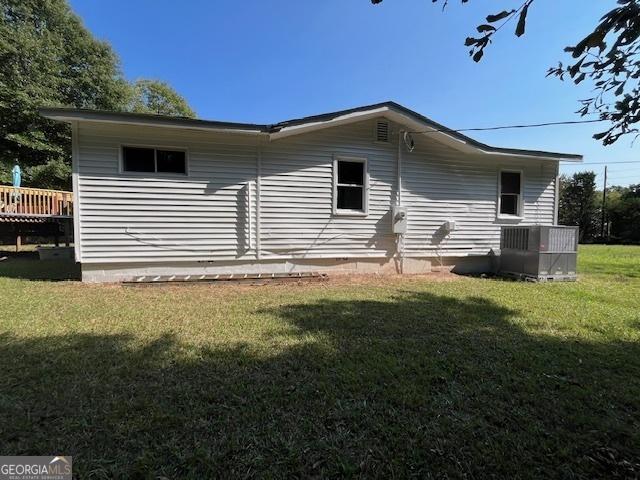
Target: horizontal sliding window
(153,160)
(138,159)
(170,161)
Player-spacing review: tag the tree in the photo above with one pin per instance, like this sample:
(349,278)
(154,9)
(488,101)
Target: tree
(609,56)
(154,96)
(578,203)
(623,212)
(48,58)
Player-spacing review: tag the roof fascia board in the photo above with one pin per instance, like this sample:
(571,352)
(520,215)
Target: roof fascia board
(427,130)
(394,112)
(184,127)
(536,156)
(152,122)
(334,122)
(413,124)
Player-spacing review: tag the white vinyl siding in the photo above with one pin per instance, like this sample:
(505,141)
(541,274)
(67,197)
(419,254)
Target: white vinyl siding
(297,196)
(210,215)
(440,184)
(136,216)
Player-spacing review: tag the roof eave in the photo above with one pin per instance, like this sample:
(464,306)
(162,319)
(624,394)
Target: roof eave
(390,110)
(558,157)
(150,120)
(283,131)
(415,122)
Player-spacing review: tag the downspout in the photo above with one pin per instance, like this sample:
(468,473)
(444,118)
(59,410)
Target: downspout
(75,172)
(400,243)
(258,203)
(556,202)
(399,173)
(250,208)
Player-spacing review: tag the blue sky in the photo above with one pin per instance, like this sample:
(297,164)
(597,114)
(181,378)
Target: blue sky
(267,61)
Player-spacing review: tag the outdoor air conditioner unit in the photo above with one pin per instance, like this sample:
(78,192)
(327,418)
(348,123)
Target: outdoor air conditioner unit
(539,252)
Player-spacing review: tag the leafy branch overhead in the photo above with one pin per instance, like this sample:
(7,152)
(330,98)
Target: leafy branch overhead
(495,23)
(609,57)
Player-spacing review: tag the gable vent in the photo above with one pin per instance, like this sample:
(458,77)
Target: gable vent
(382,132)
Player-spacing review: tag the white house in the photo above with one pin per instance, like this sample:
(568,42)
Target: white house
(378,188)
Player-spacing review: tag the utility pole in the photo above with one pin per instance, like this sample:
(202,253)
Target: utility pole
(604,203)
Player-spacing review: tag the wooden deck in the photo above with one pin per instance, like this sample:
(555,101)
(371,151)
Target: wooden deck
(30,204)
(35,212)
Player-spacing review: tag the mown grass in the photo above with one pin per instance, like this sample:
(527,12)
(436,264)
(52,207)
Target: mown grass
(611,260)
(378,378)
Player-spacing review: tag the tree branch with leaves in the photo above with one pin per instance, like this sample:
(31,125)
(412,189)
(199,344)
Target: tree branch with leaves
(609,56)
(48,58)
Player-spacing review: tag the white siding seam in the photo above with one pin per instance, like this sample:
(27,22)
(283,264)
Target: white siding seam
(259,203)
(75,173)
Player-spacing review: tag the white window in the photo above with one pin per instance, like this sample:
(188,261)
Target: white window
(350,186)
(154,160)
(510,193)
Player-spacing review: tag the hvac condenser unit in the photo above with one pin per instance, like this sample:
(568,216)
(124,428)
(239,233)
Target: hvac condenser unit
(539,252)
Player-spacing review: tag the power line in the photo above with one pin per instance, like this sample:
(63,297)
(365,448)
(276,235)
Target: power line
(625,172)
(616,174)
(618,177)
(506,127)
(580,165)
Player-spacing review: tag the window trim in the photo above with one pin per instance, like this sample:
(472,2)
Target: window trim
(155,148)
(365,187)
(506,216)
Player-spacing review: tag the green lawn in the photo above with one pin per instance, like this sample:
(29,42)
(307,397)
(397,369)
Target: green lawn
(380,378)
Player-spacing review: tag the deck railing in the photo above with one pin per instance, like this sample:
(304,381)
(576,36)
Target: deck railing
(35,201)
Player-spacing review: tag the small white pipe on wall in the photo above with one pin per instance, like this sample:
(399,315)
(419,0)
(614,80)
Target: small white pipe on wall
(258,203)
(399,173)
(250,216)
(400,242)
(75,178)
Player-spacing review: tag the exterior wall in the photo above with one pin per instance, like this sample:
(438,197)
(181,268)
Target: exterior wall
(297,203)
(208,220)
(440,184)
(128,217)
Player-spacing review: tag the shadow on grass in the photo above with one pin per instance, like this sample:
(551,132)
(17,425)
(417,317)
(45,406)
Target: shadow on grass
(27,266)
(416,387)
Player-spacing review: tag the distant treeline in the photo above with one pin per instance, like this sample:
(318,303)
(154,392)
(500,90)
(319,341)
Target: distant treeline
(582,204)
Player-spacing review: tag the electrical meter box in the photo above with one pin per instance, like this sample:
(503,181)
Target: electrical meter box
(399,219)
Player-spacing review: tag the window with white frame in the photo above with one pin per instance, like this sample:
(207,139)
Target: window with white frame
(510,197)
(153,160)
(350,185)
